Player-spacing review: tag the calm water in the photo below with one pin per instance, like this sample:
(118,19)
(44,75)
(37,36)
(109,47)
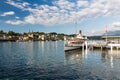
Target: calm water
(47,61)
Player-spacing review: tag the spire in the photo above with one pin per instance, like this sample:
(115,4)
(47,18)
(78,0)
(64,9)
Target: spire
(29,30)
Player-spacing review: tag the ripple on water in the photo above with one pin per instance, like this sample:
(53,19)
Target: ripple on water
(47,61)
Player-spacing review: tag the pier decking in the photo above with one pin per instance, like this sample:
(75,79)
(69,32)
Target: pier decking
(99,45)
(104,45)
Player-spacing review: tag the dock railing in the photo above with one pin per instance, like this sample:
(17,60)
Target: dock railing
(98,44)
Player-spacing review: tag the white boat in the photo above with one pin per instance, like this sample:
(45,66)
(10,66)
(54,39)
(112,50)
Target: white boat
(75,43)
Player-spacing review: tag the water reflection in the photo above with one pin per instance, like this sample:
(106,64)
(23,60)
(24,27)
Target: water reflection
(104,56)
(42,46)
(111,56)
(75,56)
(47,60)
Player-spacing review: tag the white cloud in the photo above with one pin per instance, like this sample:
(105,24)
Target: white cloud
(8,13)
(20,5)
(64,4)
(110,27)
(82,3)
(17,17)
(114,26)
(64,11)
(94,32)
(30,19)
(15,22)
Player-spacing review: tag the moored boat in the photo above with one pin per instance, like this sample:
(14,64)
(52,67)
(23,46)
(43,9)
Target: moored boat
(75,43)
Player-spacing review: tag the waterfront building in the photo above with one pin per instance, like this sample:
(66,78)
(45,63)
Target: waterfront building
(33,36)
(1,37)
(41,37)
(65,38)
(24,38)
(112,39)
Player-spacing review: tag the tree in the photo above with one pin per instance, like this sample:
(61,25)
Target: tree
(2,32)
(41,33)
(61,36)
(11,33)
(25,33)
(53,33)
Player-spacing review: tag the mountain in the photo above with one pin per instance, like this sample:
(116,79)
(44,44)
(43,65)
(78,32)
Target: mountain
(95,38)
(110,33)
(113,33)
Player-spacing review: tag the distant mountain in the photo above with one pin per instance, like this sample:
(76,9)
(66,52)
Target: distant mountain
(94,38)
(110,33)
(113,33)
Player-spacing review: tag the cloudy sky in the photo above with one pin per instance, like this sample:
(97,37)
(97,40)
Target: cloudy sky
(62,16)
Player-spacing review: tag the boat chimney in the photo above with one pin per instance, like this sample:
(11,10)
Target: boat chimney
(80,32)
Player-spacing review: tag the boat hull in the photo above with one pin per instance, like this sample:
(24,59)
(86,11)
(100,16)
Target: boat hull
(70,48)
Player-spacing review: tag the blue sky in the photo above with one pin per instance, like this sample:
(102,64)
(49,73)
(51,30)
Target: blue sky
(92,16)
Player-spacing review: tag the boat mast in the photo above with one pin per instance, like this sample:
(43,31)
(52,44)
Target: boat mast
(106,33)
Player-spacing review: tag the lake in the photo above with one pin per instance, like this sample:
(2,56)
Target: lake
(48,61)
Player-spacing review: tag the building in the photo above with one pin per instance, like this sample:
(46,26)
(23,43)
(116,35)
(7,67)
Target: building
(41,37)
(33,36)
(112,38)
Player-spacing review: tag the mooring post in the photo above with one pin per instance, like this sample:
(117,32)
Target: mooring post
(101,48)
(111,47)
(83,47)
(92,47)
(117,48)
(86,45)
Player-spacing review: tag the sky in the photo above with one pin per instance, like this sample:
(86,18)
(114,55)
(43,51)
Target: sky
(93,17)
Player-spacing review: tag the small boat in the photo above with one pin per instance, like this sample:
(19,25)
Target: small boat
(76,43)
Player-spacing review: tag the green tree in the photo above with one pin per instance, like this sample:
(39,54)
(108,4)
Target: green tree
(12,33)
(25,33)
(61,36)
(53,33)
(2,32)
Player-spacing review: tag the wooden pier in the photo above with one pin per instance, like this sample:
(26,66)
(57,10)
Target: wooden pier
(104,45)
(97,45)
